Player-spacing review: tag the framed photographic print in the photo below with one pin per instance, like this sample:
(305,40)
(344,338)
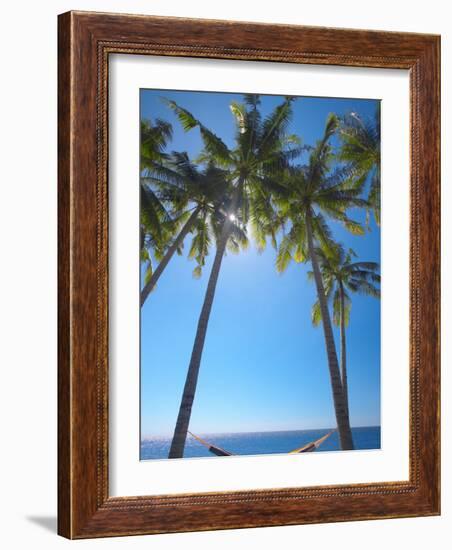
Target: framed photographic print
(248,275)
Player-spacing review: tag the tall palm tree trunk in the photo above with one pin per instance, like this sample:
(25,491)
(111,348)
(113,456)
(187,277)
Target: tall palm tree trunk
(343,349)
(169,254)
(183,418)
(340,408)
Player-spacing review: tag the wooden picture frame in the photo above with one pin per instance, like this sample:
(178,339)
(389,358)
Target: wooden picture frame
(85,42)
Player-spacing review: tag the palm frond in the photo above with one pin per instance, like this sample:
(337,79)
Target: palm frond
(363,287)
(148,272)
(213,145)
(323,234)
(200,245)
(239,112)
(274,126)
(284,254)
(316,314)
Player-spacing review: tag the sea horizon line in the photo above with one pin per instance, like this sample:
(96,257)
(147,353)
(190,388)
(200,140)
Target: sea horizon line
(164,436)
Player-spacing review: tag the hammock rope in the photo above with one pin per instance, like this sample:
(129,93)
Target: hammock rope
(308,448)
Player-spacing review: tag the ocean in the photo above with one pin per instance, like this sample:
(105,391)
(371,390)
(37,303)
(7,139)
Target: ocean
(259,443)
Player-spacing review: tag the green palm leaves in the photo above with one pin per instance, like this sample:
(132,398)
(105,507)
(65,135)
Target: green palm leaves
(341,275)
(320,193)
(154,217)
(197,196)
(261,148)
(361,150)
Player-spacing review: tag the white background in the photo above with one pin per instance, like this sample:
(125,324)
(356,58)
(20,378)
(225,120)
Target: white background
(129,476)
(28,271)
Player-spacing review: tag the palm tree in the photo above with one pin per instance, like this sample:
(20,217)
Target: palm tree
(262,148)
(155,220)
(341,276)
(193,195)
(361,150)
(315,192)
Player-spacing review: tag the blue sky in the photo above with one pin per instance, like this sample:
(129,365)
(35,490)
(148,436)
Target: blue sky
(264,365)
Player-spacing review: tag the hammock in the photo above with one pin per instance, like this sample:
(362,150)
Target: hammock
(212,448)
(218,451)
(312,446)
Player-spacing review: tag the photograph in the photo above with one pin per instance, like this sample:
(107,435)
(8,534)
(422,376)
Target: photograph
(259,268)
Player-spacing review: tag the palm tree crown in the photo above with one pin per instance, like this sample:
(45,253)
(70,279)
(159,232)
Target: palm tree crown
(262,148)
(341,273)
(318,193)
(155,220)
(192,194)
(361,150)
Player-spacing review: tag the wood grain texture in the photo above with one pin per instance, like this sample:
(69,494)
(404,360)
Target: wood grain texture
(85,42)
(64,295)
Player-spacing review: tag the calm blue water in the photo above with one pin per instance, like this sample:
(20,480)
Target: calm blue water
(256,443)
